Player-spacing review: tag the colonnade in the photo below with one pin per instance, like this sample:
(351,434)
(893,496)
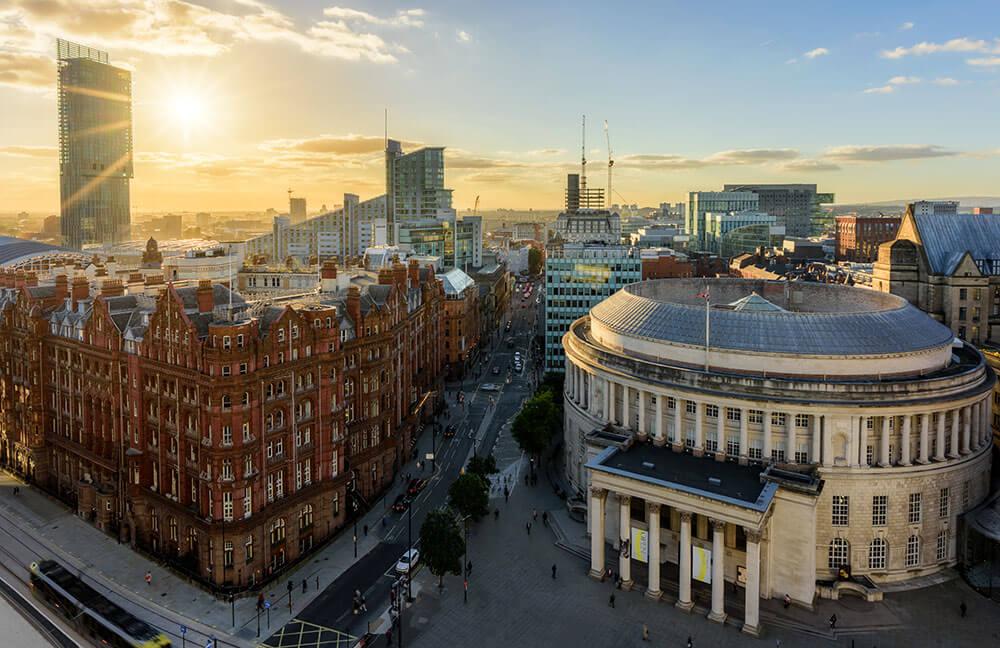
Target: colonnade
(783,435)
(598,504)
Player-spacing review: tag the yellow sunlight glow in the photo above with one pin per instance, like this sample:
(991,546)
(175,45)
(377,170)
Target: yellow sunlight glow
(187,110)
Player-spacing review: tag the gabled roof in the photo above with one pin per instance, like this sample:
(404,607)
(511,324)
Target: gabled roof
(947,237)
(754,302)
(455,281)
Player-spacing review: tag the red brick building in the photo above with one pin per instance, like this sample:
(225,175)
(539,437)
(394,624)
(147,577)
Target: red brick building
(229,438)
(858,237)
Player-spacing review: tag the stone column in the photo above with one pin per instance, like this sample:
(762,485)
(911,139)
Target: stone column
(626,415)
(828,445)
(790,439)
(598,496)
(925,438)
(718,612)
(956,426)
(642,414)
(625,536)
(684,585)
(904,457)
(720,434)
(966,429)
(976,428)
(987,420)
(658,437)
(766,423)
(611,401)
(883,453)
(863,450)
(653,590)
(607,401)
(751,617)
(939,441)
(679,424)
(699,432)
(591,393)
(817,438)
(744,436)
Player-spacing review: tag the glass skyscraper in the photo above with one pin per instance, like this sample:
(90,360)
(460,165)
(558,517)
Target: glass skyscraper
(95,146)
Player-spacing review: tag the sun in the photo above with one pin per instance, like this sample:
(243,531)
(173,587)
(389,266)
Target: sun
(187,110)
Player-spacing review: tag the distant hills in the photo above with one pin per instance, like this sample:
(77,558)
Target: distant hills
(965,202)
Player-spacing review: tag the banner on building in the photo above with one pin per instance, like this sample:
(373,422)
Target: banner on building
(640,545)
(701,564)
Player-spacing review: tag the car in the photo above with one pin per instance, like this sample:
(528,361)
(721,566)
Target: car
(416,485)
(408,561)
(490,387)
(517,356)
(509,324)
(496,370)
(450,431)
(401,504)
(518,367)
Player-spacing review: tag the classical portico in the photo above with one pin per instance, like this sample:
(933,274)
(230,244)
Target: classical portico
(716,516)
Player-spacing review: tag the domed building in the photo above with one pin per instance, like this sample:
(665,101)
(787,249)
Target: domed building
(826,438)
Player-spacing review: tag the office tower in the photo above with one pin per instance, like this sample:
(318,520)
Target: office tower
(297,210)
(414,185)
(95,146)
(703,202)
(796,206)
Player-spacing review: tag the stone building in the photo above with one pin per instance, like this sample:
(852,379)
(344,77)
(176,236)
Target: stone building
(827,437)
(225,436)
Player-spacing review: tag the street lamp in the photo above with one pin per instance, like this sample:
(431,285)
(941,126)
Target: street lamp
(465,566)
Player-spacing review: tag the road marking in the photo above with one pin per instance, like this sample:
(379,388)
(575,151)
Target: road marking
(302,634)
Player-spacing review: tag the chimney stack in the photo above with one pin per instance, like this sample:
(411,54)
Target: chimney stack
(413,270)
(80,289)
(30,279)
(354,308)
(19,279)
(112,288)
(385,276)
(328,277)
(399,275)
(206,300)
(62,287)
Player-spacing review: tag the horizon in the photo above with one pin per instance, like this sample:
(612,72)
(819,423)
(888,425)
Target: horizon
(250,99)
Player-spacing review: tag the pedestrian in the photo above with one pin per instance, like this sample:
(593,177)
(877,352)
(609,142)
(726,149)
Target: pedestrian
(525,479)
(317,582)
(553,571)
(305,585)
(545,518)
(506,494)
(534,514)
(833,621)
(383,522)
(611,599)
(787,601)
(468,568)
(528,526)
(645,632)
(963,609)
(777,643)
(496,514)
(690,642)
(366,530)
(260,601)
(149,578)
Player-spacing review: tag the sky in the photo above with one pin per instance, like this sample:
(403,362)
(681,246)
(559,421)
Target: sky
(236,101)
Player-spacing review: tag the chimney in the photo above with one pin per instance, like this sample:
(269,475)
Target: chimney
(30,279)
(206,300)
(8,278)
(399,275)
(385,276)
(354,308)
(328,277)
(62,287)
(80,289)
(19,279)
(414,272)
(112,288)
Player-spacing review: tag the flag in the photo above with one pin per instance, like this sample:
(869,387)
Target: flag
(703,294)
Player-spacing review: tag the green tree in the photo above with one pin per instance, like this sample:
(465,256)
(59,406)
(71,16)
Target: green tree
(536,423)
(534,260)
(442,544)
(470,495)
(482,465)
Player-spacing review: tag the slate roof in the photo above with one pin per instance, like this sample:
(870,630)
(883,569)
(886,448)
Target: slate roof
(947,237)
(832,319)
(455,281)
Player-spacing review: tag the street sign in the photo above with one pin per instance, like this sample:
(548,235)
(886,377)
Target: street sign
(184,630)
(267,604)
(429,456)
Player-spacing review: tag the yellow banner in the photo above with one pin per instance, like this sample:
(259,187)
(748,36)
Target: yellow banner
(701,564)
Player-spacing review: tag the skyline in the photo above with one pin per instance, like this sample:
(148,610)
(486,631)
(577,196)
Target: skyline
(235,101)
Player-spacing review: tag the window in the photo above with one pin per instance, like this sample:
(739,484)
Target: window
(733,446)
(227,402)
(733,414)
(227,342)
(277,531)
(227,554)
(778,455)
(227,506)
(226,370)
(690,407)
(248,548)
(870,455)
(941,552)
(227,468)
(880,509)
(801,420)
(913,551)
(306,517)
(777,418)
(841,510)
(755,416)
(913,516)
(671,402)
(802,454)
(243,368)
(838,553)
(943,499)
(876,553)
(247,502)
(227,435)
(756,452)
(239,340)
(712,411)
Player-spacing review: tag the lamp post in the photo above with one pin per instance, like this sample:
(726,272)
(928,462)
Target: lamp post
(465,562)
(409,572)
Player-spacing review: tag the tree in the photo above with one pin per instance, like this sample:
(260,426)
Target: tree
(442,543)
(482,465)
(470,495)
(534,260)
(553,382)
(536,423)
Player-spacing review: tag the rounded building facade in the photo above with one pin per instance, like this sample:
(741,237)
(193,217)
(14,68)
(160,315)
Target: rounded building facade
(856,390)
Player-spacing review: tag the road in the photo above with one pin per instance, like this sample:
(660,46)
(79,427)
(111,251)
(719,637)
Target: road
(478,420)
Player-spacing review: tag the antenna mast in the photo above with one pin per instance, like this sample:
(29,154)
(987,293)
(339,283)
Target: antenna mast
(583,157)
(611,161)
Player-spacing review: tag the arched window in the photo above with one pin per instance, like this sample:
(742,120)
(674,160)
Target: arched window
(172,526)
(279,419)
(277,531)
(227,402)
(306,516)
(877,552)
(913,551)
(246,399)
(838,554)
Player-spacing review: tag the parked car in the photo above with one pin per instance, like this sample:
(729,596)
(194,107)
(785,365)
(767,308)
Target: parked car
(408,561)
(496,370)
(517,356)
(449,431)
(401,504)
(518,366)
(416,485)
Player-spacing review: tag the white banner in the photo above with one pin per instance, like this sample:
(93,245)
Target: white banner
(701,564)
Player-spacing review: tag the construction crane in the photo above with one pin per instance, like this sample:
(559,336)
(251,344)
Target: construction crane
(583,158)
(611,161)
(475,209)
(289,201)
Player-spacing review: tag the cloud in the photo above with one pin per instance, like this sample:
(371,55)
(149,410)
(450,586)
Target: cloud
(736,157)
(463,36)
(887,153)
(403,17)
(886,89)
(945,81)
(963,44)
(29,151)
(907,26)
(991,61)
(752,156)
(814,53)
(810,165)
(332,145)
(179,28)
(893,83)
(27,71)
